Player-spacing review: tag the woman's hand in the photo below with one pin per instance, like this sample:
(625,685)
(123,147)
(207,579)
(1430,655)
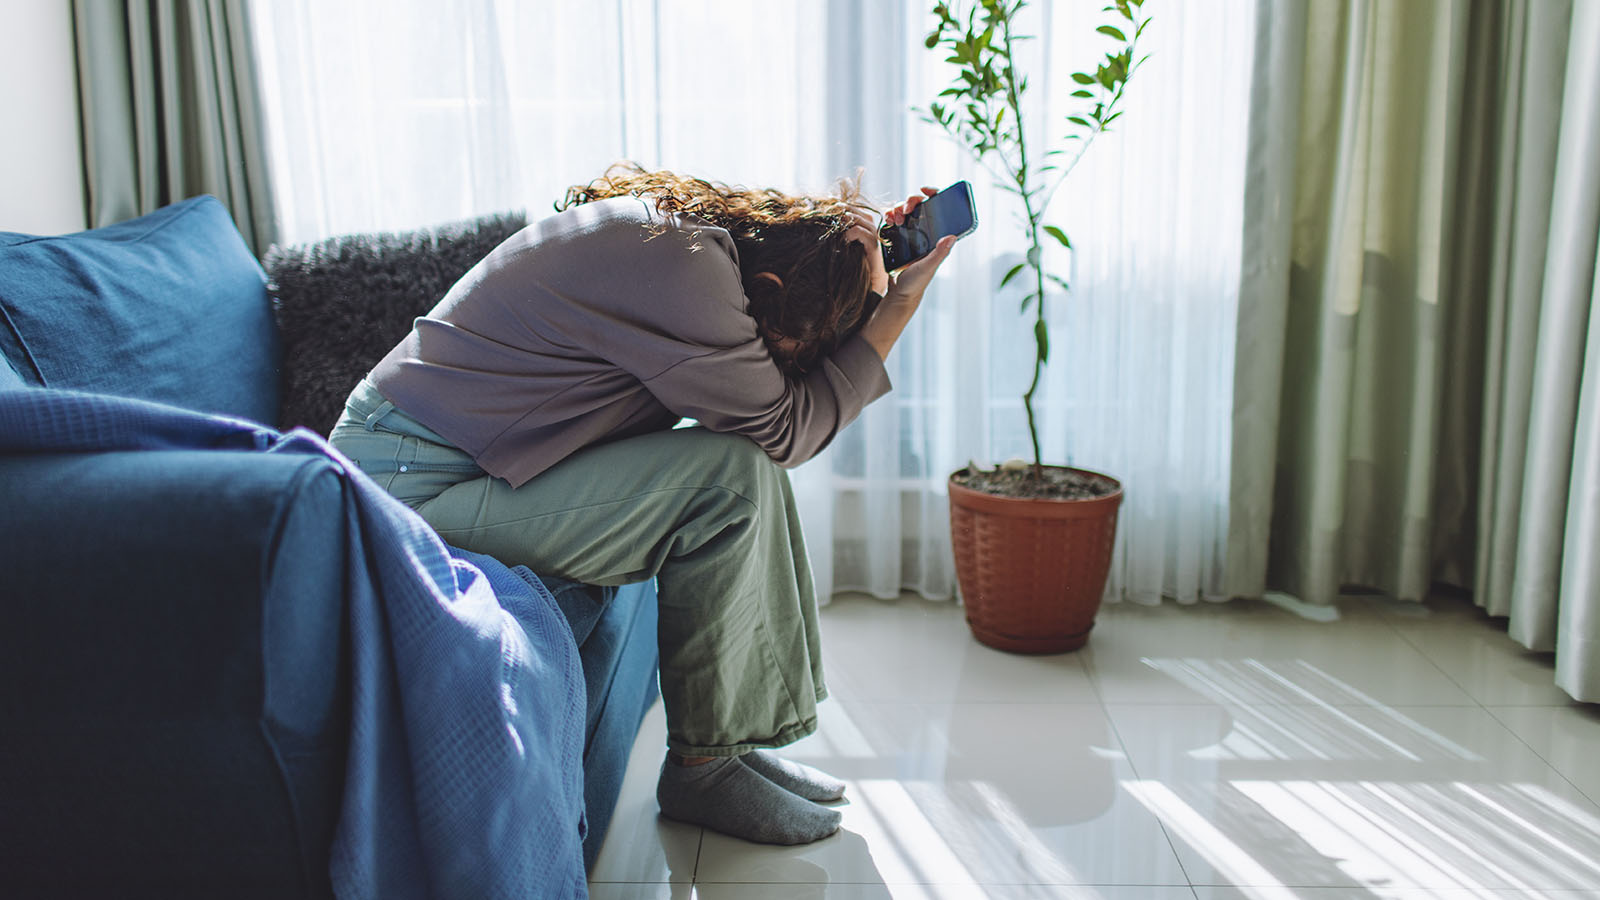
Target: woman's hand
(906,286)
(863,230)
(912,280)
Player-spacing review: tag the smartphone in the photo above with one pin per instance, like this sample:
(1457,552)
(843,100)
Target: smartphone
(951,211)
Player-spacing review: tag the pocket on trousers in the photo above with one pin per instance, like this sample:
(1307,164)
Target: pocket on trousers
(376,453)
(424,470)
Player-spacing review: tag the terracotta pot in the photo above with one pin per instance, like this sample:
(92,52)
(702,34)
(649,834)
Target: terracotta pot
(1032,572)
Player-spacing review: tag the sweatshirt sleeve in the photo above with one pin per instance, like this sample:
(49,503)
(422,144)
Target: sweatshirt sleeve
(741,390)
(694,346)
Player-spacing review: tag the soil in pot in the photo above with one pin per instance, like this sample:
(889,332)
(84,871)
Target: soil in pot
(1055,483)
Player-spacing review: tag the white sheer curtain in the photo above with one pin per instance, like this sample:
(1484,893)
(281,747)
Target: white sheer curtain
(394,114)
(403,113)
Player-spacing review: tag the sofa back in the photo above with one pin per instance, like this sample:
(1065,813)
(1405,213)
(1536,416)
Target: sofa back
(342,303)
(170,307)
(173,307)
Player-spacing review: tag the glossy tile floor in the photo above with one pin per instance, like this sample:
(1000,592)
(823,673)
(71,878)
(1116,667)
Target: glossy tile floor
(1234,752)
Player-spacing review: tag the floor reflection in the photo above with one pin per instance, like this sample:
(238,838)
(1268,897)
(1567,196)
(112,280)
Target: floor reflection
(1292,710)
(1225,757)
(1331,790)
(1337,789)
(1379,835)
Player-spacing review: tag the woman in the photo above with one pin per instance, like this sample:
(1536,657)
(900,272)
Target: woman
(531,415)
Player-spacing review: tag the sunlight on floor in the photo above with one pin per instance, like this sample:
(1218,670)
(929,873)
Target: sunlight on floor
(1189,825)
(1188,755)
(906,846)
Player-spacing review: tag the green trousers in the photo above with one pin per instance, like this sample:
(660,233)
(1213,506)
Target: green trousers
(708,515)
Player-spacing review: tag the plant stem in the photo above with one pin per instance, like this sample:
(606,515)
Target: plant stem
(1035,249)
(980,130)
(1038,356)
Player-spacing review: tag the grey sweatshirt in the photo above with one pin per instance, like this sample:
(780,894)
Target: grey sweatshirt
(606,321)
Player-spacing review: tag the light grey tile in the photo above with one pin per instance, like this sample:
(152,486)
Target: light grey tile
(1476,652)
(837,891)
(922,651)
(641,847)
(1255,654)
(1567,737)
(968,793)
(1420,797)
(1279,892)
(624,891)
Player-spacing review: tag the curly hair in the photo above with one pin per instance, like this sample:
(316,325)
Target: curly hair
(801,238)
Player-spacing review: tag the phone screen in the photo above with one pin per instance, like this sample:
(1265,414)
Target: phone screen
(951,211)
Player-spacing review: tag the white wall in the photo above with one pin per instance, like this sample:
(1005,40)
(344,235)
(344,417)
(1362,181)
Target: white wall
(41,157)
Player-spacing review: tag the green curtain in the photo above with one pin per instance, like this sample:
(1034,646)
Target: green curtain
(1541,453)
(170,108)
(1412,400)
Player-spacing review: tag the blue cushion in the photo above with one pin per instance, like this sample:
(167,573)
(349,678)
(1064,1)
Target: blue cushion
(170,307)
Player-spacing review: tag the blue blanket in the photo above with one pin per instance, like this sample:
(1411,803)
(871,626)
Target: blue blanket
(464,777)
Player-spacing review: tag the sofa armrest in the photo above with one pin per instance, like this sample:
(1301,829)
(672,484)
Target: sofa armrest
(174,661)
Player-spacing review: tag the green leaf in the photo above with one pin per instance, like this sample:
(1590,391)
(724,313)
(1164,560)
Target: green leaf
(1041,337)
(1080,93)
(1028,300)
(1078,120)
(1033,255)
(1013,273)
(1061,281)
(1081,78)
(1113,31)
(1059,235)
(931,41)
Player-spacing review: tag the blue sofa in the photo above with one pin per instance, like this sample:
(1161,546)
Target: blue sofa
(175,663)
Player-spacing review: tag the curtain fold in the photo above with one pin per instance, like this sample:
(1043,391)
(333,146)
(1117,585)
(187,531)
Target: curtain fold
(1358,434)
(1558,359)
(1578,626)
(1272,152)
(1534,54)
(1438,417)
(1555,602)
(169,102)
(1355,332)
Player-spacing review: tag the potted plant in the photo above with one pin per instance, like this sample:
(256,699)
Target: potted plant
(1032,542)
